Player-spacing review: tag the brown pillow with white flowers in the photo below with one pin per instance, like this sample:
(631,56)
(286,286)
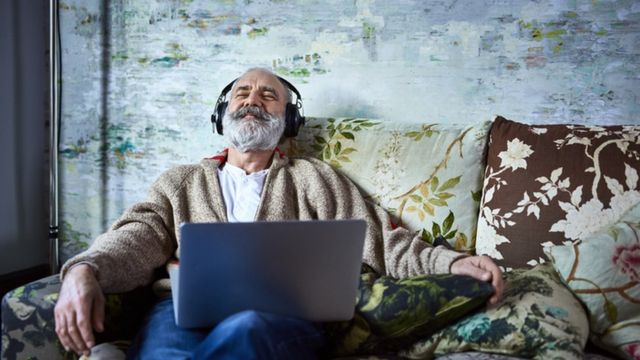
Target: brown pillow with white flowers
(547,185)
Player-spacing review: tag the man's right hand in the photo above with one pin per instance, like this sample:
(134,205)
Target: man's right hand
(79,310)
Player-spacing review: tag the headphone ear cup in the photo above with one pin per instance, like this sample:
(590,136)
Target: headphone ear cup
(293,120)
(219,114)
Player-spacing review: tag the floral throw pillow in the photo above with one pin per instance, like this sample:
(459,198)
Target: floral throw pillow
(391,314)
(603,270)
(538,318)
(548,185)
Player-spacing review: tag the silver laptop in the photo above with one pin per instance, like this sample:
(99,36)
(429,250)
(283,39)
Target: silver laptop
(306,269)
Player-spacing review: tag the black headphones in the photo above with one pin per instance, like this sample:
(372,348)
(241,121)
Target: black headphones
(293,118)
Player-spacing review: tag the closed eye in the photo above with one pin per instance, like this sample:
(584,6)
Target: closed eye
(270,96)
(266,92)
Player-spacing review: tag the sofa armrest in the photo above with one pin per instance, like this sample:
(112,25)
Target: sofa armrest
(28,326)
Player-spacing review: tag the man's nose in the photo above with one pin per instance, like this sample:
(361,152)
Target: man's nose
(253,100)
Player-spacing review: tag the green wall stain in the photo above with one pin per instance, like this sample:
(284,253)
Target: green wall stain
(74,150)
(124,148)
(537,34)
(119,56)
(601,32)
(170,133)
(300,65)
(176,51)
(166,61)
(88,19)
(198,23)
(368,30)
(525,25)
(296,72)
(558,47)
(183,14)
(74,241)
(176,54)
(554,34)
(619,24)
(255,32)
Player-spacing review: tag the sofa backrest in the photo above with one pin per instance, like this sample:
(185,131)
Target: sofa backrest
(428,176)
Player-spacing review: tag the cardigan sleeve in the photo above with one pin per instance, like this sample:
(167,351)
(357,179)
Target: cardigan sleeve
(140,241)
(390,250)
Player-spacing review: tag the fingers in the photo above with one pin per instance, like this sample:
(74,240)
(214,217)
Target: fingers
(498,286)
(76,313)
(83,324)
(74,331)
(471,266)
(77,343)
(475,272)
(496,278)
(61,329)
(64,326)
(481,268)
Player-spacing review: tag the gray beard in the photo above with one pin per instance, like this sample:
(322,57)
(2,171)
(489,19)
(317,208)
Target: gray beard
(262,133)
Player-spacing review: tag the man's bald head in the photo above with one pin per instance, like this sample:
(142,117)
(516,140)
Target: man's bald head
(264,71)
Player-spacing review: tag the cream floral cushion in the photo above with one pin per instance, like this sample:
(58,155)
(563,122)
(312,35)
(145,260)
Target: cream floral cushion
(428,176)
(603,270)
(548,185)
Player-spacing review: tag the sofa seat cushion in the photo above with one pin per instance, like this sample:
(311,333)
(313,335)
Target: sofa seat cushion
(547,185)
(538,318)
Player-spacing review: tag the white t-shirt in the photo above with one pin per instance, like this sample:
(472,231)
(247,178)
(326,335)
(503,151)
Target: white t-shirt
(241,192)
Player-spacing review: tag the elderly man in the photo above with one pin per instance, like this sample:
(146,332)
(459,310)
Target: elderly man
(279,188)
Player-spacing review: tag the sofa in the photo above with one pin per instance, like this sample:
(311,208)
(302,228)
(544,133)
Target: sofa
(556,206)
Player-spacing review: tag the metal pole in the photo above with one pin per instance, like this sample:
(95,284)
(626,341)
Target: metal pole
(54,122)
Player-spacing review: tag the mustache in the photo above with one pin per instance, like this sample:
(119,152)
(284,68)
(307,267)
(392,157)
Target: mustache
(252,110)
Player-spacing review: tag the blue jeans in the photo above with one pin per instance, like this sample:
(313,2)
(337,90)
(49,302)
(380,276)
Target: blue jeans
(245,335)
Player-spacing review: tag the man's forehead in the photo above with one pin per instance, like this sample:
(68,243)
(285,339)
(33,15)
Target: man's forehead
(261,79)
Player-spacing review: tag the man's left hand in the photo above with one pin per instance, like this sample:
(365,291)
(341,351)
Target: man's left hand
(481,268)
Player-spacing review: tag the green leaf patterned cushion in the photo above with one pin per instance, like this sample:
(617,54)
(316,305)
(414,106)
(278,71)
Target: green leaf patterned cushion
(603,270)
(391,314)
(538,318)
(428,176)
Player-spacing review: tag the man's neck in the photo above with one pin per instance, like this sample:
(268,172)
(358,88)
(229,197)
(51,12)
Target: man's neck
(250,161)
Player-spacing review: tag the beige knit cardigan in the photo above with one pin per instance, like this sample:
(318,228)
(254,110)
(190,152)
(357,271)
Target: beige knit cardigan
(147,236)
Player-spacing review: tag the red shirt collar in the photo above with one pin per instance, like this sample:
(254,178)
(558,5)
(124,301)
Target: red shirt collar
(221,157)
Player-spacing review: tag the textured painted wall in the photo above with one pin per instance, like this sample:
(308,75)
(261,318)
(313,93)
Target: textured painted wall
(140,78)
